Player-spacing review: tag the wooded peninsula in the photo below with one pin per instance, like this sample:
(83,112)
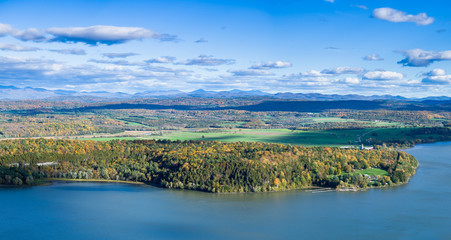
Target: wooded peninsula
(209,166)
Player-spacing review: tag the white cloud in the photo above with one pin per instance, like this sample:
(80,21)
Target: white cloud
(351,80)
(16,48)
(31,34)
(5,29)
(163,59)
(331,1)
(250,72)
(205,60)
(436,72)
(47,73)
(383,75)
(342,70)
(115,62)
(436,77)
(301,79)
(71,51)
(422,58)
(20,69)
(325,73)
(373,57)
(325,76)
(271,65)
(92,35)
(309,78)
(393,15)
(100,34)
(119,55)
(308,74)
(437,80)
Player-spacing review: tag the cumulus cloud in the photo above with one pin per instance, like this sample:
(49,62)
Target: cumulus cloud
(70,51)
(5,29)
(116,62)
(100,34)
(271,65)
(436,72)
(119,55)
(250,72)
(383,75)
(422,58)
(311,77)
(325,73)
(393,15)
(31,34)
(206,60)
(342,70)
(351,80)
(22,69)
(436,77)
(42,72)
(310,73)
(325,78)
(92,35)
(163,59)
(373,57)
(16,48)
(307,79)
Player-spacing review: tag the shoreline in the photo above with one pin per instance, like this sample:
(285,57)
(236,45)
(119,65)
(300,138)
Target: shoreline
(313,189)
(45,181)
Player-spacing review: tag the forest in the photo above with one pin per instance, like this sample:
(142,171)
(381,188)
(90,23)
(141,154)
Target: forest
(202,165)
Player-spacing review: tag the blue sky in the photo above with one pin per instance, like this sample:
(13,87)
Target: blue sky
(326,46)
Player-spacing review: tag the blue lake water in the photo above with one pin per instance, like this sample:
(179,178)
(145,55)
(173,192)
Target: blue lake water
(418,210)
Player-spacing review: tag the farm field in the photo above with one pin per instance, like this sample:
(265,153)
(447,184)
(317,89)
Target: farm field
(285,136)
(335,137)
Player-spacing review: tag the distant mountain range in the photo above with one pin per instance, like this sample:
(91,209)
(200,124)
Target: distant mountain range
(28,93)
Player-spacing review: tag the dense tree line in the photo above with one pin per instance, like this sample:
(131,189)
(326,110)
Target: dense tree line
(412,136)
(43,125)
(198,165)
(413,118)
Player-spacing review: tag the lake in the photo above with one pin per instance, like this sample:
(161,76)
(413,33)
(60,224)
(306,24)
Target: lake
(420,209)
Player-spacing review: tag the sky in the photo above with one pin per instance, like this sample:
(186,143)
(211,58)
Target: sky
(364,47)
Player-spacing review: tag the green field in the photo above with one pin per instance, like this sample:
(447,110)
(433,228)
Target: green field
(335,137)
(129,123)
(373,172)
(285,136)
(329,119)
